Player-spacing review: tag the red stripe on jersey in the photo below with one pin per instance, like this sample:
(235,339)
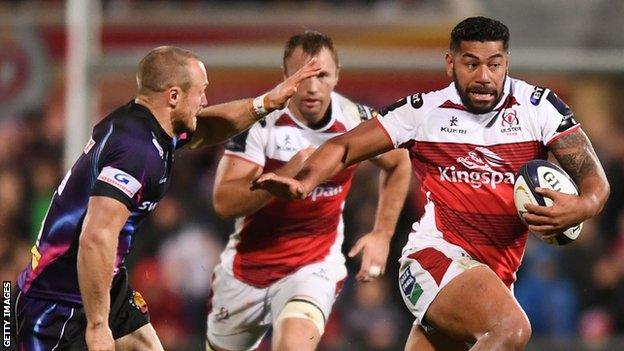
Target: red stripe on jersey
(511,155)
(433,261)
(482,228)
(471,187)
(509,102)
(285,235)
(337,127)
(285,120)
(451,104)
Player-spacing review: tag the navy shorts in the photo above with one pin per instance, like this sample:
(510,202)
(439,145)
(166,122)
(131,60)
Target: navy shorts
(52,325)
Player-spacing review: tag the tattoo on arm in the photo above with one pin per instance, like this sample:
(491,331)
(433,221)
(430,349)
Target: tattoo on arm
(576,155)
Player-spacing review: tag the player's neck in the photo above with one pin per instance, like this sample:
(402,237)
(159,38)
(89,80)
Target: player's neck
(313,122)
(160,112)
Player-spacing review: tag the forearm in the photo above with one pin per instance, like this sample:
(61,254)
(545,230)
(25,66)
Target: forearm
(393,187)
(217,123)
(576,155)
(595,191)
(235,199)
(95,263)
(325,162)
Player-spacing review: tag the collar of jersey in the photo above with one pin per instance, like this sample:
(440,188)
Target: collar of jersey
(334,112)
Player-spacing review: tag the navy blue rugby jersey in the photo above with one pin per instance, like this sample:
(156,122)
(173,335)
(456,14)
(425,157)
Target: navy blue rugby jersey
(128,158)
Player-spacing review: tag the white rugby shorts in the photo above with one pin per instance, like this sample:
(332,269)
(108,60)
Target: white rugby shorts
(426,266)
(241,314)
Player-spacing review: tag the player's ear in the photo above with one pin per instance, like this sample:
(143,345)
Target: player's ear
(173,96)
(448,59)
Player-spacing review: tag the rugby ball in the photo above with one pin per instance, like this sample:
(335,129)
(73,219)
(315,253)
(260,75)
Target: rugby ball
(544,174)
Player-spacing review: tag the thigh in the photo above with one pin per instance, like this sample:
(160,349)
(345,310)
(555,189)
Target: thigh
(420,340)
(319,283)
(238,315)
(144,338)
(472,304)
(426,270)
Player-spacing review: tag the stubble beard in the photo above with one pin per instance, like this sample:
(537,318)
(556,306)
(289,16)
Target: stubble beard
(463,95)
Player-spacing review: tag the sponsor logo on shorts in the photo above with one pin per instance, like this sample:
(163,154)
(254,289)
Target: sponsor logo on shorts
(321,273)
(410,288)
(222,315)
(120,180)
(138,302)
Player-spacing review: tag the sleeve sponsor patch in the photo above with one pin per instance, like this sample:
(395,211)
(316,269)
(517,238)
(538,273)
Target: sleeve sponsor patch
(559,105)
(536,97)
(120,180)
(384,110)
(416,100)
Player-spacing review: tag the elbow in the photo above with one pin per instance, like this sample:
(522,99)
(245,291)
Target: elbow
(607,192)
(223,211)
(92,240)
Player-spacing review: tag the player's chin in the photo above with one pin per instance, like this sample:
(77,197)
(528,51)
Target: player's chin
(481,107)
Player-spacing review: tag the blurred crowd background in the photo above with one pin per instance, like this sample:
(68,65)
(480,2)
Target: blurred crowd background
(574,295)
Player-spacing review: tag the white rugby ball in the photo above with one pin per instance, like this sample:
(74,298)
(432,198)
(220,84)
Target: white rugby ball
(544,174)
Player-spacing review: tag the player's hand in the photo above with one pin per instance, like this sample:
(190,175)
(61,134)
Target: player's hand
(284,187)
(278,97)
(374,247)
(548,221)
(99,338)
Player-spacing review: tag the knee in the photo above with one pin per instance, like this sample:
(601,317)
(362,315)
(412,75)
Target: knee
(286,343)
(295,335)
(515,332)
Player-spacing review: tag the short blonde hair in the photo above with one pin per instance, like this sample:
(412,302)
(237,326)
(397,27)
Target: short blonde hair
(163,68)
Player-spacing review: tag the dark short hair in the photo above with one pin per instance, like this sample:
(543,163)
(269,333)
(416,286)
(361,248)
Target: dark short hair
(164,67)
(311,42)
(479,29)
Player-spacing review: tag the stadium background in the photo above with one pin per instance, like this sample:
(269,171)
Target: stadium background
(574,296)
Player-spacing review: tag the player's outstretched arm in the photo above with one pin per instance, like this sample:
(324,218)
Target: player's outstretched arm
(232,197)
(97,249)
(394,180)
(361,143)
(218,123)
(576,155)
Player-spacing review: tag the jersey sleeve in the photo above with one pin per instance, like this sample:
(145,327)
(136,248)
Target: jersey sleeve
(401,119)
(249,145)
(128,167)
(556,118)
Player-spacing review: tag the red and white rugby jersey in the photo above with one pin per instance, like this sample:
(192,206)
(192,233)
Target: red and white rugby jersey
(286,235)
(471,161)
